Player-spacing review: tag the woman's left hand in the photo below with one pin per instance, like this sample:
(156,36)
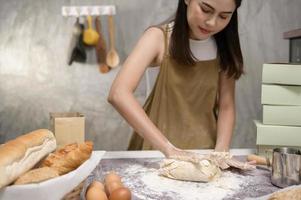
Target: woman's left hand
(188,156)
(225,160)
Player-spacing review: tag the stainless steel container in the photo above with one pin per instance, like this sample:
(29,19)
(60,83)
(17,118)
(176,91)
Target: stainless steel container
(286,167)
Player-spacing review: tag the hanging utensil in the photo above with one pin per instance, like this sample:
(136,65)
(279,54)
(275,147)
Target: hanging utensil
(79,54)
(76,31)
(112,56)
(101,48)
(90,35)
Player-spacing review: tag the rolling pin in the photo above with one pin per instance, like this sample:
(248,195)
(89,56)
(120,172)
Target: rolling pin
(100,47)
(260,160)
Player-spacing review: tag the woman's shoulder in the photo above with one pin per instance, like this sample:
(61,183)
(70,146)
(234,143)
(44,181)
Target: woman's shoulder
(161,29)
(155,32)
(154,39)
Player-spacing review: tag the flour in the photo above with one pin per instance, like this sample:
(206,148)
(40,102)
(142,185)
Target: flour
(151,184)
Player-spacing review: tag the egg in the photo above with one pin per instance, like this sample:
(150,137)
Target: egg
(112,176)
(112,186)
(122,193)
(96,193)
(97,184)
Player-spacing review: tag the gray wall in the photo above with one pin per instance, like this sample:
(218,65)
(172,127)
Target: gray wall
(35,79)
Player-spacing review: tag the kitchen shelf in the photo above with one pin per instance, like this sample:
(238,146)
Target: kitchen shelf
(77,11)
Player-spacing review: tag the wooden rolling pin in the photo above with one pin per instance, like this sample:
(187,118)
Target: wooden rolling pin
(101,48)
(260,160)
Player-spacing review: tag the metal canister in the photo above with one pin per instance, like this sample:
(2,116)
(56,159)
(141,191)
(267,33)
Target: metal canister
(286,167)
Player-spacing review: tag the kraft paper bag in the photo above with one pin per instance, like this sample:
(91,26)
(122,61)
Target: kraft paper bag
(68,127)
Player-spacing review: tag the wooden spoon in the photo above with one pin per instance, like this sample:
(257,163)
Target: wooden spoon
(101,48)
(90,35)
(112,56)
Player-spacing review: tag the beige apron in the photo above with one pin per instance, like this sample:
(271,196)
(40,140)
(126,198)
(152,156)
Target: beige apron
(182,104)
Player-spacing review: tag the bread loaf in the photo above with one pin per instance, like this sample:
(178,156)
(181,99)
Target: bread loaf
(291,194)
(21,154)
(69,157)
(37,175)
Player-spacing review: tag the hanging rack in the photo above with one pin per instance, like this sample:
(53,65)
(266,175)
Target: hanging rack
(77,11)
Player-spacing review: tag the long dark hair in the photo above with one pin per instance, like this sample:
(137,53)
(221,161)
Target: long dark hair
(227,40)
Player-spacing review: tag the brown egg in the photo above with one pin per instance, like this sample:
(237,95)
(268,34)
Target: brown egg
(97,184)
(95,193)
(112,176)
(122,193)
(112,186)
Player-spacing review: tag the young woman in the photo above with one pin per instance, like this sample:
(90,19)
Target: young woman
(192,103)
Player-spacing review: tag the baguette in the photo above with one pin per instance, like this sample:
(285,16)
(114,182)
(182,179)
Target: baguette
(23,153)
(36,176)
(291,194)
(69,157)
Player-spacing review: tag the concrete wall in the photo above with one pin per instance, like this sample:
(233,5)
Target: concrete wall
(35,78)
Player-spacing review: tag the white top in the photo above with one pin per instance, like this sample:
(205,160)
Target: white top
(203,49)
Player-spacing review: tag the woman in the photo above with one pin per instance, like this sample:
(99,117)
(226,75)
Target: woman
(200,58)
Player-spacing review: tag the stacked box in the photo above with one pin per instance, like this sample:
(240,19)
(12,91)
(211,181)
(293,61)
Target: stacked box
(281,100)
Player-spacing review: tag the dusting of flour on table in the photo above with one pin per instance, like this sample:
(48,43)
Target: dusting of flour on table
(152,183)
(140,176)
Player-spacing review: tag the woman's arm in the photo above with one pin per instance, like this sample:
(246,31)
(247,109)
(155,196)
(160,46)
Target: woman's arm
(150,48)
(226,112)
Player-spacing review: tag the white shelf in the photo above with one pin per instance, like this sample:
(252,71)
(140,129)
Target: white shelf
(77,11)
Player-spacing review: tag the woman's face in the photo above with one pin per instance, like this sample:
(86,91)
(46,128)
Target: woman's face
(208,17)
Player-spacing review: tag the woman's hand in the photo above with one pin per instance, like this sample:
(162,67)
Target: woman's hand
(179,154)
(224,160)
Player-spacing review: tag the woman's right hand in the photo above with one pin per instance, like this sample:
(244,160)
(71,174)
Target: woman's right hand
(222,159)
(179,154)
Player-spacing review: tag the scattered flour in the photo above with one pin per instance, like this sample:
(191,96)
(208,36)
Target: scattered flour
(149,182)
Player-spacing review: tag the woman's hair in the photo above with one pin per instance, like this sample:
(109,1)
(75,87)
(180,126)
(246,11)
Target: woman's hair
(227,40)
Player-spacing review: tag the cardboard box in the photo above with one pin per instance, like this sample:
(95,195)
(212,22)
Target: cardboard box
(282,115)
(281,73)
(280,95)
(278,135)
(68,127)
(56,188)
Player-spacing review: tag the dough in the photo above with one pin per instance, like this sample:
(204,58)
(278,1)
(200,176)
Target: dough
(204,171)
